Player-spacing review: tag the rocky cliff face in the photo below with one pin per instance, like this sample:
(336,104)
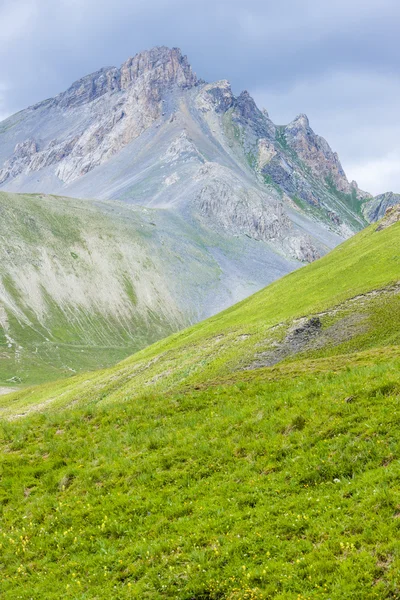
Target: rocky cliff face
(316,153)
(305,166)
(376,208)
(151,133)
(392,216)
(122,104)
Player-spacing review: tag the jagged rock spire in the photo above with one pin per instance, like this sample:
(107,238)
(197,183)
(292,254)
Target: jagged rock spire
(159,66)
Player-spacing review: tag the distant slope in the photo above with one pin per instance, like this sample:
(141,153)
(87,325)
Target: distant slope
(348,301)
(84,283)
(153,134)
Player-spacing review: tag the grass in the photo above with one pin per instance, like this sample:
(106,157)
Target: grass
(282,486)
(175,474)
(350,200)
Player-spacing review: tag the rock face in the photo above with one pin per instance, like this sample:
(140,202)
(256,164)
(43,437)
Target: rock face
(309,169)
(134,93)
(21,159)
(316,153)
(153,134)
(376,208)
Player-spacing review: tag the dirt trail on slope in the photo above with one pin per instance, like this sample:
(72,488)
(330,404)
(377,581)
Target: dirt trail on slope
(6,390)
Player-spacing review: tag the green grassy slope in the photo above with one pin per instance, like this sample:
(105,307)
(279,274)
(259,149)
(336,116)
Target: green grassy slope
(177,474)
(232,339)
(272,488)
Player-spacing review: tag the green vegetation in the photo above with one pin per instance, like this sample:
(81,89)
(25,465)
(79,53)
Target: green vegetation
(283,485)
(282,141)
(177,474)
(251,158)
(312,210)
(78,290)
(231,128)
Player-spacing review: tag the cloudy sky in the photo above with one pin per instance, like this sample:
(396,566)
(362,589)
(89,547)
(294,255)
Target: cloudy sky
(337,61)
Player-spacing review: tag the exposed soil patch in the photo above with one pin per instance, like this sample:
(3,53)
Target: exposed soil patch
(297,339)
(311,336)
(6,390)
(308,334)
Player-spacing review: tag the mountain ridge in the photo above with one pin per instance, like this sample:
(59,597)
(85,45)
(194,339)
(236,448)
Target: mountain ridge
(144,95)
(376,208)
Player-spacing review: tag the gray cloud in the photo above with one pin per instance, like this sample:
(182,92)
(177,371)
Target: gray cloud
(336,61)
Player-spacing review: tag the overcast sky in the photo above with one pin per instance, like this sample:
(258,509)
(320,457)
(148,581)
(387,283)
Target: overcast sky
(337,60)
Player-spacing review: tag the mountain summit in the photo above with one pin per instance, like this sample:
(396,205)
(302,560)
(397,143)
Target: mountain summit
(98,115)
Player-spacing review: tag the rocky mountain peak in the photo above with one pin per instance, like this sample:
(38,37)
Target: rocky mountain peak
(249,114)
(86,89)
(98,124)
(316,153)
(216,96)
(124,103)
(160,64)
(377,207)
(246,104)
(300,122)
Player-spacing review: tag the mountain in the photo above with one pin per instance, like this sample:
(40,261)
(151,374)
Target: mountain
(200,201)
(86,283)
(376,208)
(152,133)
(254,455)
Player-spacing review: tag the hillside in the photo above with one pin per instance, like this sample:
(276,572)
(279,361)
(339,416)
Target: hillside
(352,292)
(180,473)
(86,283)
